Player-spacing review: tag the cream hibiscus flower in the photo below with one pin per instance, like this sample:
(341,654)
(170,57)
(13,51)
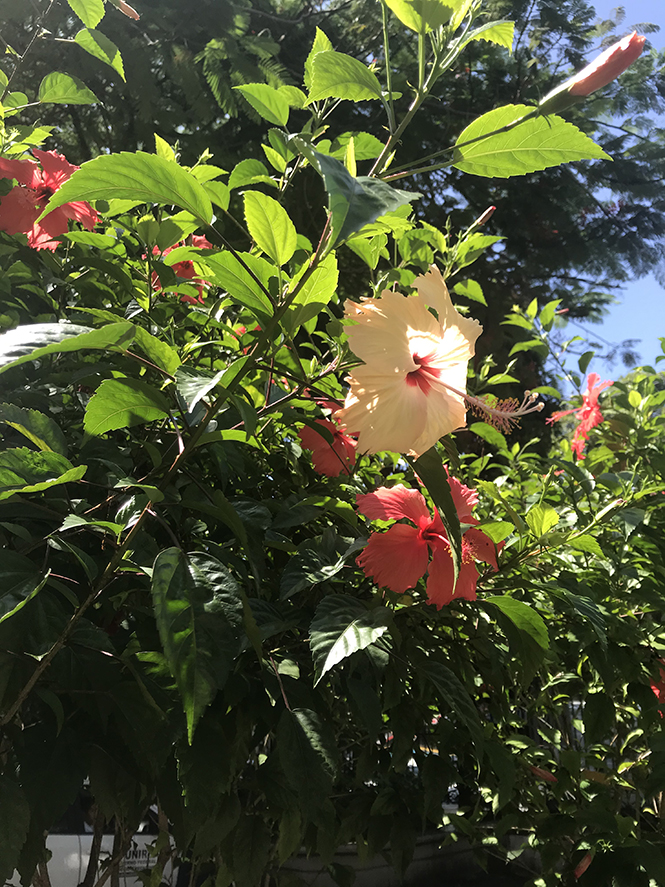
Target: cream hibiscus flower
(411,389)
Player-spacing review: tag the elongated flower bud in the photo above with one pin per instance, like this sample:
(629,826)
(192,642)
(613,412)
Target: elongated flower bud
(602,70)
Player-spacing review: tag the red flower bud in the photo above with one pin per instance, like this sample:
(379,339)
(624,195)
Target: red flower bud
(607,66)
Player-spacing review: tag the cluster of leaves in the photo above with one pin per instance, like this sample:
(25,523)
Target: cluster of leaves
(181,617)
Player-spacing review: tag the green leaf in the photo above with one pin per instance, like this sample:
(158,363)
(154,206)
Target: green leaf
(541,518)
(294,96)
(38,428)
(598,717)
(430,469)
(100,47)
(413,13)
(321,44)
(489,433)
(134,176)
(20,580)
(308,754)
(218,193)
(25,471)
(91,12)
(523,616)
(306,569)
(588,544)
(61,89)
(315,294)
(352,202)
(267,101)
(251,851)
(14,823)
(121,403)
(532,145)
(36,340)
(250,172)
(455,694)
(270,226)
(230,275)
(471,290)
(192,385)
(501,33)
(341,626)
(198,610)
(156,350)
(339,76)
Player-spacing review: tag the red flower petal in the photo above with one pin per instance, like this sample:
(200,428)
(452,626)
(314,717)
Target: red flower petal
(394,503)
(330,459)
(395,559)
(441,577)
(18,210)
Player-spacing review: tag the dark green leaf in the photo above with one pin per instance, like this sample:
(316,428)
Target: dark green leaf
(61,89)
(431,471)
(139,176)
(341,626)
(352,202)
(452,690)
(20,580)
(524,617)
(598,717)
(251,849)
(121,403)
(198,609)
(14,822)
(308,755)
(306,569)
(315,294)
(25,471)
(36,340)
(38,428)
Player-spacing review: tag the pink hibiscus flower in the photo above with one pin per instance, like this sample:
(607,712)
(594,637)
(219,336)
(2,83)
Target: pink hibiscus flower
(20,209)
(398,558)
(185,269)
(331,459)
(588,414)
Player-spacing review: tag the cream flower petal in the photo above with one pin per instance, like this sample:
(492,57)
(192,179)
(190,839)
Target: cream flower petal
(410,391)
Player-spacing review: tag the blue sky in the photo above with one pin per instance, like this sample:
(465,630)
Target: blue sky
(641,312)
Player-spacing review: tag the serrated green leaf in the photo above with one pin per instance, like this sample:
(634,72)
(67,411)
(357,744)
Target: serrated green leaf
(122,403)
(274,158)
(315,294)
(230,275)
(523,616)
(134,176)
(489,433)
(61,89)
(339,76)
(156,350)
(100,47)
(341,626)
(294,96)
(267,102)
(454,693)
(198,610)
(270,226)
(308,754)
(541,518)
(36,340)
(415,13)
(529,146)
(37,427)
(91,12)
(20,581)
(471,290)
(14,822)
(26,471)
(321,44)
(501,33)
(251,851)
(250,172)
(586,543)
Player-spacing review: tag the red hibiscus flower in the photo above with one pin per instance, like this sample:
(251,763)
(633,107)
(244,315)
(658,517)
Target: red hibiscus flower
(398,558)
(331,459)
(588,414)
(185,269)
(20,208)
(658,687)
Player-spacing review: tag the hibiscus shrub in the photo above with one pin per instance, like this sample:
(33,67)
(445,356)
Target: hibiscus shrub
(255,571)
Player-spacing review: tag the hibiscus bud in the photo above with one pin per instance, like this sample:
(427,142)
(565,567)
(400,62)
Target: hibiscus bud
(583,865)
(602,70)
(126,9)
(541,773)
